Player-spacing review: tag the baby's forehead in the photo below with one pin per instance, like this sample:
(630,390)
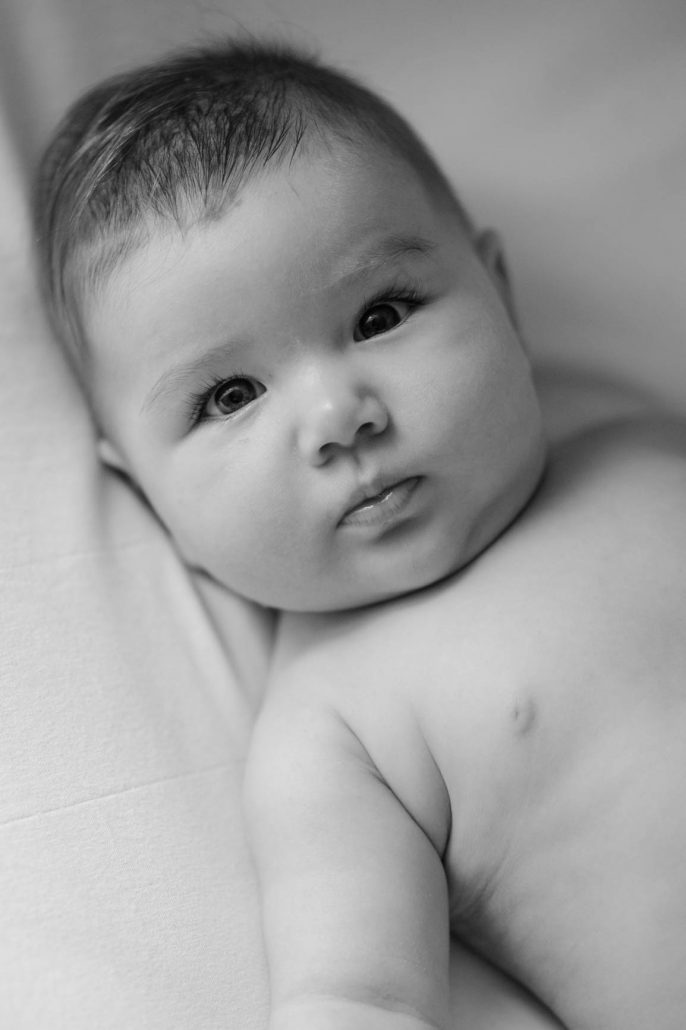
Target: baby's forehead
(360,208)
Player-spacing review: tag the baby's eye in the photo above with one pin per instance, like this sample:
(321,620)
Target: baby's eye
(232,395)
(381,318)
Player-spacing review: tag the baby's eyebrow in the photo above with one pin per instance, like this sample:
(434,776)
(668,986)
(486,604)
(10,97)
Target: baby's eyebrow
(388,248)
(176,377)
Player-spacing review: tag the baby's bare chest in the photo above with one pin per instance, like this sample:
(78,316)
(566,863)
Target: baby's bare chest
(549,687)
(558,717)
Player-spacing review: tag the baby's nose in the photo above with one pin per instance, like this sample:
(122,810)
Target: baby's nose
(337,416)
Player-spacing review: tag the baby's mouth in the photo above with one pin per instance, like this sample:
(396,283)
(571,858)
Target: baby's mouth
(383,506)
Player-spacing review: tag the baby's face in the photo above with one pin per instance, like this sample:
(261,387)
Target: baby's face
(322,393)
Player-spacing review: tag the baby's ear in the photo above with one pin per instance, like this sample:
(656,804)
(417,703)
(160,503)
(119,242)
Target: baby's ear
(110,456)
(489,246)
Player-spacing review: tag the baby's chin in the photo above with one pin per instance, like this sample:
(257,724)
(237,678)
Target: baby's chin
(368,592)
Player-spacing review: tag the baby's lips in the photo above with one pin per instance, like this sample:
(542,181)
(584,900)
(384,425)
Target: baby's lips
(381,505)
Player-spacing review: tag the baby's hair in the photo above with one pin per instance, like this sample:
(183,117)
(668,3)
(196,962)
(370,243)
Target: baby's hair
(174,141)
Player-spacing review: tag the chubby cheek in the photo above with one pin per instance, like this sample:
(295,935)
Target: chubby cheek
(485,409)
(244,534)
(266,569)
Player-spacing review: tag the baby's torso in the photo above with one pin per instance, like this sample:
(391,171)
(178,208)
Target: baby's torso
(543,690)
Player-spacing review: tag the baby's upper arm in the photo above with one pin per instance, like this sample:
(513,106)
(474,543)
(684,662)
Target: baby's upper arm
(354,893)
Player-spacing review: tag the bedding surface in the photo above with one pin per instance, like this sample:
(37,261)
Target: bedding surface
(128,686)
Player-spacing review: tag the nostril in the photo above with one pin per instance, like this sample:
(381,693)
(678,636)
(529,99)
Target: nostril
(340,422)
(325,453)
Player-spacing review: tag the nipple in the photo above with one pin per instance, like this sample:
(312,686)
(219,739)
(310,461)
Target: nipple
(524,715)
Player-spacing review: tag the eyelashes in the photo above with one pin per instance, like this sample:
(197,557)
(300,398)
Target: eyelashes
(397,294)
(197,402)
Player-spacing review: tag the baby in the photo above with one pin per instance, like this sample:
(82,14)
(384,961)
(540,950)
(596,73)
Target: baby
(304,354)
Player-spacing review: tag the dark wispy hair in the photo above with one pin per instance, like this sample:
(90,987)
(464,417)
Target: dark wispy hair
(175,140)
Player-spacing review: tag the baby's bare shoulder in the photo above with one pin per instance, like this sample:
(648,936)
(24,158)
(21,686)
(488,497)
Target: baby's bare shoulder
(576,400)
(333,729)
(615,455)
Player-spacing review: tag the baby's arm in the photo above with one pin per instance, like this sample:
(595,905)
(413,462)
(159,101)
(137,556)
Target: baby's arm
(354,893)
